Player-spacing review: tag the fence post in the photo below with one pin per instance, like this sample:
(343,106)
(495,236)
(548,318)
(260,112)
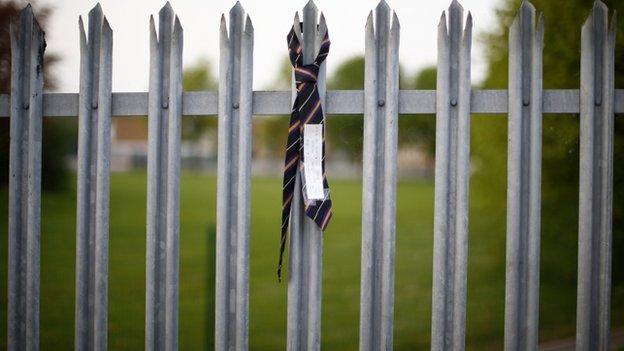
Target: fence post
(450,247)
(381,91)
(92,209)
(596,180)
(163,183)
(27,50)
(234,177)
(306,239)
(524,180)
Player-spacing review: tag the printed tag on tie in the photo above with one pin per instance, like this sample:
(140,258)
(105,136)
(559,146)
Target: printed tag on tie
(312,158)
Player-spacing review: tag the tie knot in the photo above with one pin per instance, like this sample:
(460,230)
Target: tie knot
(306,73)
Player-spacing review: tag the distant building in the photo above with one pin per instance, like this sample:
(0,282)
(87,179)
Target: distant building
(129,152)
(129,147)
(129,144)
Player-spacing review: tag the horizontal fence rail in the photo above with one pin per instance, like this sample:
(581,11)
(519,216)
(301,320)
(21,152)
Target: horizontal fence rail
(339,102)
(381,102)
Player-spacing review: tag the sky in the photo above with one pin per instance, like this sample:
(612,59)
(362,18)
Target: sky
(271,19)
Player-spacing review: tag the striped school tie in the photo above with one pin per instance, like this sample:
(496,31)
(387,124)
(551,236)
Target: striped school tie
(306,110)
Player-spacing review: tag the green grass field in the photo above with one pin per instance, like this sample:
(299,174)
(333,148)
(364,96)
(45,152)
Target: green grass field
(268,298)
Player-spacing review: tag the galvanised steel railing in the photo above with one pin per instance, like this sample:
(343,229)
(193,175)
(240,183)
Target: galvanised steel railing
(381,102)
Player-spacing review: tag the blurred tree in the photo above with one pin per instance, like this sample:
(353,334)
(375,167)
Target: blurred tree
(270,132)
(420,129)
(59,135)
(346,132)
(198,77)
(563,21)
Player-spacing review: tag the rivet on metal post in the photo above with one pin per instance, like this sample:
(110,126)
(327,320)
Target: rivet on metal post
(26,105)
(94,105)
(526,102)
(598,101)
(165,104)
(453,102)
(235,105)
(381,102)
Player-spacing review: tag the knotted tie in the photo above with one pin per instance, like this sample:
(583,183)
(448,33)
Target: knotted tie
(306,109)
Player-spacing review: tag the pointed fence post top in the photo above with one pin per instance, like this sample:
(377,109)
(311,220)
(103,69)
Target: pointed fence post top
(26,13)
(382,16)
(297,26)
(453,20)
(599,6)
(237,15)
(527,19)
(442,28)
(600,14)
(311,29)
(165,18)
(168,22)
(223,30)
(455,8)
(249,29)
(322,26)
(25,26)
(310,7)
(526,8)
(177,25)
(382,8)
(311,12)
(237,11)
(25,17)
(98,23)
(96,11)
(526,12)
(166,10)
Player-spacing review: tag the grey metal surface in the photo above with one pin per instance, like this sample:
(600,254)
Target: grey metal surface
(27,49)
(339,102)
(450,247)
(524,180)
(163,183)
(233,182)
(92,207)
(305,256)
(381,87)
(596,181)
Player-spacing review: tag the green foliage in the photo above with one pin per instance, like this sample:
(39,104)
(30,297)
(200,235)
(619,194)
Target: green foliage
(420,129)
(341,269)
(560,159)
(198,77)
(270,133)
(345,132)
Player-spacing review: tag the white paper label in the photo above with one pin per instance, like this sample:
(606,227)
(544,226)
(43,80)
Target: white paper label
(312,158)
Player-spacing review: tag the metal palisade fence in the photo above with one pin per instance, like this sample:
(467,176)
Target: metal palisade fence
(381,102)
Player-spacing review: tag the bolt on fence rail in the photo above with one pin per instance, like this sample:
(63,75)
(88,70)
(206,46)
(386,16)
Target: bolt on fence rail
(381,102)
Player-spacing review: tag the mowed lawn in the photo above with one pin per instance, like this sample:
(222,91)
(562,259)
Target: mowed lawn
(341,263)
